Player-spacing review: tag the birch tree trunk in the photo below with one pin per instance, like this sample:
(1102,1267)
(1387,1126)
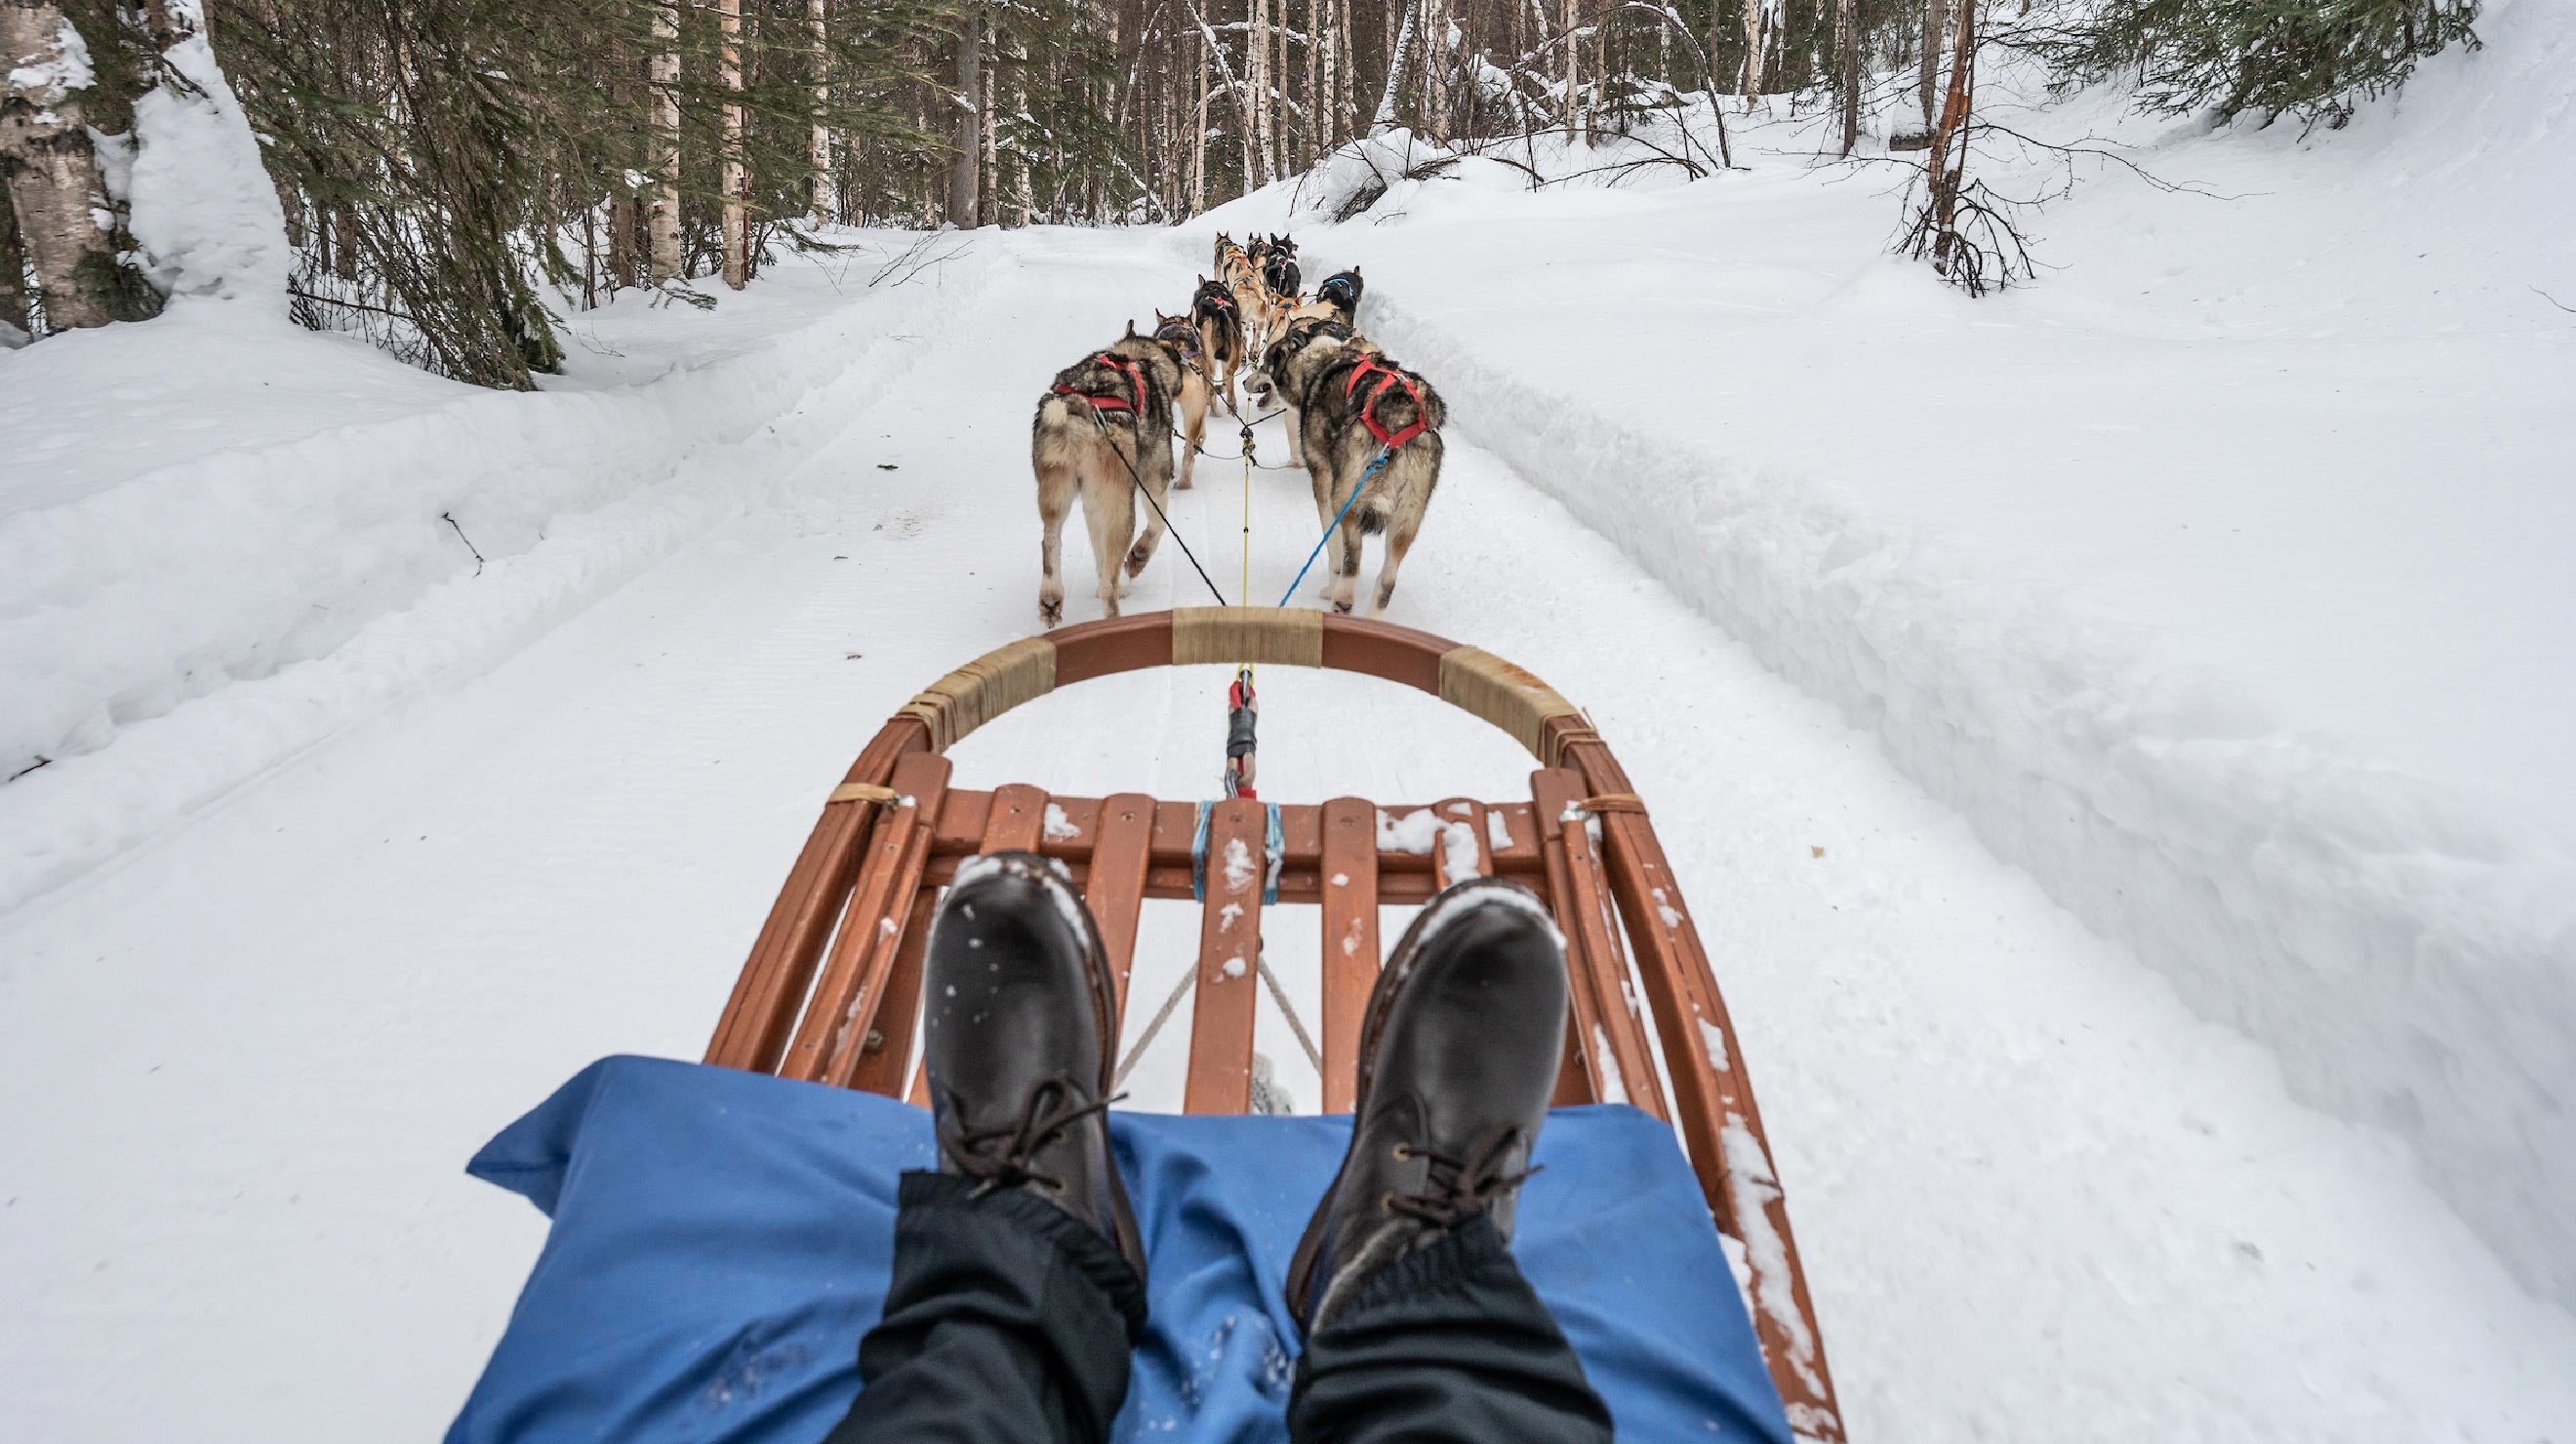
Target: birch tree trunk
(1350,78)
(49,167)
(968,133)
(1928,78)
(1435,70)
(1318,44)
(737,176)
(822,139)
(1395,56)
(1198,135)
(1847,68)
(1264,104)
(1752,51)
(1573,69)
(662,214)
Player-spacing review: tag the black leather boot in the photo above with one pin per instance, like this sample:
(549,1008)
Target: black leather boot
(1458,1058)
(1019,1038)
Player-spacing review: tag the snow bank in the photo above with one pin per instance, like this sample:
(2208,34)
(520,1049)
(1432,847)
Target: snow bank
(2409,963)
(214,616)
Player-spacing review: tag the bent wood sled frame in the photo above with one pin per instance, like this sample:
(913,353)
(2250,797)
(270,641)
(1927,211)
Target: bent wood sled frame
(832,990)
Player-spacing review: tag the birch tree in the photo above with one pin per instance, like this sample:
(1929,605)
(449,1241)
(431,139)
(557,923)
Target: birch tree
(1847,68)
(662,213)
(967,163)
(50,168)
(822,138)
(1928,65)
(737,175)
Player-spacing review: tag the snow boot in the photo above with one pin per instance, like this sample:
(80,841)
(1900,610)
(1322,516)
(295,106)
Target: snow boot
(1019,1042)
(1459,1052)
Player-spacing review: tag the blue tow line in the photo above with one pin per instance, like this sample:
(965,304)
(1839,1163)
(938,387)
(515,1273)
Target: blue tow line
(1335,525)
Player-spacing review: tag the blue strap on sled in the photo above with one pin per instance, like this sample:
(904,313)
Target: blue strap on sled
(720,1241)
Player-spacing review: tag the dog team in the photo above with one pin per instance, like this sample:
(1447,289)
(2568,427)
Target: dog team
(1366,429)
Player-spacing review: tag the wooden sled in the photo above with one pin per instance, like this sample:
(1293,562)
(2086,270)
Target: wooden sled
(831,992)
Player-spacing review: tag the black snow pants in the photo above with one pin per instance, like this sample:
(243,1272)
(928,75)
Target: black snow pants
(1010,1322)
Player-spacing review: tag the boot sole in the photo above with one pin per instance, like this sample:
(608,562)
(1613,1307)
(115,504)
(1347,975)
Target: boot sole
(1382,998)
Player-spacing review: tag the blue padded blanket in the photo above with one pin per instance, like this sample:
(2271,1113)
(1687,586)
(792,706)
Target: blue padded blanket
(722,1239)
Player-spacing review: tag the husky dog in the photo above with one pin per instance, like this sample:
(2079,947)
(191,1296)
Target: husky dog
(1280,274)
(1224,243)
(1308,325)
(1181,337)
(1341,291)
(1101,433)
(1222,340)
(1371,428)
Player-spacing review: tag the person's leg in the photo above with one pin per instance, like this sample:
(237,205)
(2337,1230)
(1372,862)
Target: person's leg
(1019,1279)
(1419,1326)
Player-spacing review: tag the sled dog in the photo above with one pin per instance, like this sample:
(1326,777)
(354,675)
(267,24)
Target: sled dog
(1222,342)
(1366,426)
(1341,290)
(1197,392)
(1308,325)
(1102,433)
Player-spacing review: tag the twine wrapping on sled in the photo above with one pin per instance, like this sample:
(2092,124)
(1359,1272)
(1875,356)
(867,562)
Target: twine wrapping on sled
(863,792)
(1229,635)
(1478,682)
(984,689)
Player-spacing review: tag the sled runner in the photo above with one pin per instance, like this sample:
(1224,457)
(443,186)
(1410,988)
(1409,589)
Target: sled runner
(831,991)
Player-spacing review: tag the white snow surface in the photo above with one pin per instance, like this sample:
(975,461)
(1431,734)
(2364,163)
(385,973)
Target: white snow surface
(2241,615)
(349,854)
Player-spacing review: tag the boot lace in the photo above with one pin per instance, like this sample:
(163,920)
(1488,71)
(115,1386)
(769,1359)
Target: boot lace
(1001,1157)
(1461,1188)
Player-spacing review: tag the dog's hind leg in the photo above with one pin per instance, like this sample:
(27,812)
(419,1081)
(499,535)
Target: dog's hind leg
(1194,415)
(1400,533)
(1109,513)
(1156,477)
(1056,486)
(1346,549)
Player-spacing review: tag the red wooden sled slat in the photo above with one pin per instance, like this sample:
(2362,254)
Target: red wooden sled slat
(1351,957)
(1229,986)
(854,973)
(880,1064)
(1115,886)
(754,1028)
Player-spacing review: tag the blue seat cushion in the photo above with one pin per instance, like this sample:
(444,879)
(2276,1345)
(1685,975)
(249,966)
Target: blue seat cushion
(720,1241)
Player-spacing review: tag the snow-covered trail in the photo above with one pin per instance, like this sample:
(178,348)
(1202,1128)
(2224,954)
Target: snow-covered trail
(2037,1198)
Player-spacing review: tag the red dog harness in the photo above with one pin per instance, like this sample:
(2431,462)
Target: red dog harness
(1135,381)
(1387,376)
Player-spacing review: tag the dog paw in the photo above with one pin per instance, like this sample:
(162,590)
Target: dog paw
(1184,484)
(1136,561)
(1341,607)
(1050,613)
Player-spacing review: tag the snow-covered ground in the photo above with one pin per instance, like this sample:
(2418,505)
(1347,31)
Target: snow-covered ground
(2221,578)
(350,849)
